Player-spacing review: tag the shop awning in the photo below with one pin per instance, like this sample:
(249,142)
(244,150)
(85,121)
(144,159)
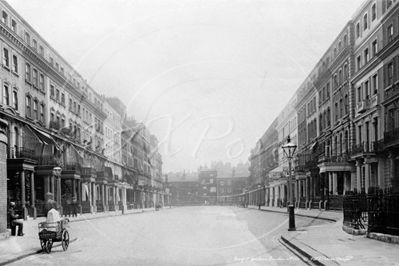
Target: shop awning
(44,137)
(313,146)
(278,169)
(37,137)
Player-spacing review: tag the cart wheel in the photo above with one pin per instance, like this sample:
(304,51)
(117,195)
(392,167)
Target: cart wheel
(65,240)
(43,244)
(48,246)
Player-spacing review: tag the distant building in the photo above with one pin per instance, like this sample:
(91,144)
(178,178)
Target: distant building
(184,193)
(207,185)
(231,189)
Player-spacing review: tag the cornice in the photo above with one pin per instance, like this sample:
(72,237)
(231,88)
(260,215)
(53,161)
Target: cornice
(50,71)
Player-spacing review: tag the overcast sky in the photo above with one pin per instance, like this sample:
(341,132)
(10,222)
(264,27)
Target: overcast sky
(207,77)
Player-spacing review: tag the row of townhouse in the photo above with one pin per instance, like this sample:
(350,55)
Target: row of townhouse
(344,117)
(51,117)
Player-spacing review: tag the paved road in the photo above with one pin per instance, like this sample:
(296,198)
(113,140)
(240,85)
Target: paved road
(208,235)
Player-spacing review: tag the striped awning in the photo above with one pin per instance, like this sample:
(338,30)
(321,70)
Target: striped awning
(44,137)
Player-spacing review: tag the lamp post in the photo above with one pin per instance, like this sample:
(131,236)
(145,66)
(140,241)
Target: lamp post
(289,150)
(259,186)
(57,174)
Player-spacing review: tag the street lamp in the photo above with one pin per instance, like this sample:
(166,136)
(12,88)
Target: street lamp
(259,186)
(57,171)
(57,174)
(289,150)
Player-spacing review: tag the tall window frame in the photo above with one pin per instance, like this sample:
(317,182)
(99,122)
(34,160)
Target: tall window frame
(4,17)
(6,94)
(41,82)
(13,25)
(35,109)
(28,106)
(6,57)
(28,72)
(35,78)
(373,12)
(15,63)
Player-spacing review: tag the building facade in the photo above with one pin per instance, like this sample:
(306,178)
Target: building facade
(56,119)
(346,111)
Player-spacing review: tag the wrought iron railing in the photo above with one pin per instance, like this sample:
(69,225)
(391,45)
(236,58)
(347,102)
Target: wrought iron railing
(21,153)
(47,160)
(391,136)
(379,209)
(55,125)
(72,166)
(366,147)
(355,209)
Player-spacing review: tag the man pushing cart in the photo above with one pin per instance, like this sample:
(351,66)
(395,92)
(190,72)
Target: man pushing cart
(54,228)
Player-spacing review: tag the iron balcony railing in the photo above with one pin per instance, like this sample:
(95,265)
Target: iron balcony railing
(55,125)
(339,158)
(391,136)
(366,147)
(21,153)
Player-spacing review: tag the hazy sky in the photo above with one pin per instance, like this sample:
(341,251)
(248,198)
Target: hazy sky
(206,77)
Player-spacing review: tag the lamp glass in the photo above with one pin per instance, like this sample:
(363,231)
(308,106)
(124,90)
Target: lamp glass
(289,149)
(57,171)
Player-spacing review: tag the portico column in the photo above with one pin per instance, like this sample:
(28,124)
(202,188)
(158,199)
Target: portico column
(23,195)
(103,195)
(52,185)
(353,179)
(334,186)
(367,176)
(33,194)
(107,197)
(358,176)
(73,188)
(58,184)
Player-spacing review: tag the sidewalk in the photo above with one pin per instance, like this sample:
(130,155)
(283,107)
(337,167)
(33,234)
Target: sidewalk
(329,245)
(15,248)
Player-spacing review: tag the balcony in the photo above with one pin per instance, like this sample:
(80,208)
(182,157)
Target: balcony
(373,101)
(88,171)
(21,153)
(55,125)
(391,137)
(392,92)
(366,147)
(339,158)
(362,106)
(103,175)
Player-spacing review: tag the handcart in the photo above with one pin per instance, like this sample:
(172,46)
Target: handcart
(50,232)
